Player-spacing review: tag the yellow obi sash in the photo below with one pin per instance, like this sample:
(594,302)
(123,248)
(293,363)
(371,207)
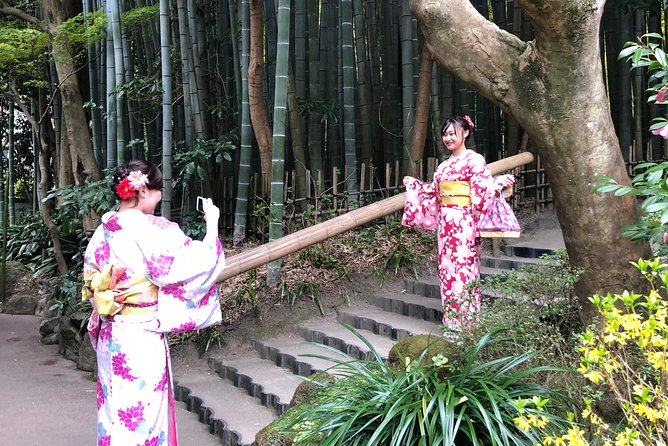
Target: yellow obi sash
(111,296)
(455,192)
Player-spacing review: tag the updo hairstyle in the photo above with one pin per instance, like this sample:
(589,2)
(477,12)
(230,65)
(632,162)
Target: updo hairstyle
(149,169)
(457,121)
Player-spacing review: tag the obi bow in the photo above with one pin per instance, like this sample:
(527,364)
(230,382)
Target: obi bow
(108,292)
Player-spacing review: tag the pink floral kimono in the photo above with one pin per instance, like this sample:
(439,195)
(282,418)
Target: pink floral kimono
(145,278)
(457,229)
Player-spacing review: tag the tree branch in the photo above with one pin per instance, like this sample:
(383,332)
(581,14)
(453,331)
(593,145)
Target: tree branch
(470,46)
(15,12)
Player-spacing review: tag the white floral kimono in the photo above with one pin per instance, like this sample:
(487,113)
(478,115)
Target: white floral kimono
(145,278)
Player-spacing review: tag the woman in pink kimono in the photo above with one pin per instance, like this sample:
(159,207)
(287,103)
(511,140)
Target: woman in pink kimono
(453,205)
(145,278)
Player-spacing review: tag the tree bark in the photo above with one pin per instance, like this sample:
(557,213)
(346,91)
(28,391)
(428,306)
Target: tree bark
(72,102)
(553,86)
(45,207)
(421,123)
(258,106)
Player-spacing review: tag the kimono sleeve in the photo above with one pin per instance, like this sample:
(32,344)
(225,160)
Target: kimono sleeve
(186,272)
(420,207)
(483,186)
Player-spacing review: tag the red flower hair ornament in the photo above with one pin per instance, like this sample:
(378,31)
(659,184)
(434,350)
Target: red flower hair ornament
(129,186)
(468,121)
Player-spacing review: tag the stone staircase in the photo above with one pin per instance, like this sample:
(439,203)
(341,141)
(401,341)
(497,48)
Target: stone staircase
(241,395)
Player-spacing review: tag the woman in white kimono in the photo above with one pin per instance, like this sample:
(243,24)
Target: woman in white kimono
(145,278)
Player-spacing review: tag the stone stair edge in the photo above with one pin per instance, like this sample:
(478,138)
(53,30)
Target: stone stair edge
(197,405)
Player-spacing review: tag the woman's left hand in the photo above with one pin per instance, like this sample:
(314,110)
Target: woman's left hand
(508,181)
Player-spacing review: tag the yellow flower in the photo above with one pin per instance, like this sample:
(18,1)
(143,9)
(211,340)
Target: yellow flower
(522,423)
(594,376)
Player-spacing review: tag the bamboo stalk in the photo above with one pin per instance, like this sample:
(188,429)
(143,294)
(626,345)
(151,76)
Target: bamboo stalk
(288,244)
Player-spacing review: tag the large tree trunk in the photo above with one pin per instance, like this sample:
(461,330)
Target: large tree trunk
(553,86)
(78,133)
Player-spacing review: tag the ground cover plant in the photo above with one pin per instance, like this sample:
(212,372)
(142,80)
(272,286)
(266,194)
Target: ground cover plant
(450,398)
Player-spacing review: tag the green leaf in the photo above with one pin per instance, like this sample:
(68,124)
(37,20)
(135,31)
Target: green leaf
(628,51)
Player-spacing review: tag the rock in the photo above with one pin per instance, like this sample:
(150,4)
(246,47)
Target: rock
(21,303)
(87,357)
(17,277)
(307,387)
(414,346)
(70,338)
(49,326)
(44,309)
(50,339)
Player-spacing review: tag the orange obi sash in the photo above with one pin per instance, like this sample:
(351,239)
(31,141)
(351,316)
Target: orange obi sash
(111,296)
(457,193)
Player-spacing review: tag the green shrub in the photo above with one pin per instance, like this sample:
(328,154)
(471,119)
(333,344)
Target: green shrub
(538,311)
(471,404)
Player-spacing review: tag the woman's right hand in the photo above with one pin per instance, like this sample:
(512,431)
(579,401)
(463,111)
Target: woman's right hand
(211,211)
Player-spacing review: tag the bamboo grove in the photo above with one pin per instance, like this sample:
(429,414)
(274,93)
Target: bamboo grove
(209,89)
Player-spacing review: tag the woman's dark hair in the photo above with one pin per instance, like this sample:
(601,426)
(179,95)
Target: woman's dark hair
(457,121)
(149,169)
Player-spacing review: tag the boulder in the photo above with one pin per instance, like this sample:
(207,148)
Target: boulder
(49,326)
(70,337)
(17,277)
(87,357)
(309,387)
(413,347)
(50,339)
(44,309)
(21,303)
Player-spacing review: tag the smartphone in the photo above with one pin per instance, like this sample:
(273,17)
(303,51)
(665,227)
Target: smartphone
(200,204)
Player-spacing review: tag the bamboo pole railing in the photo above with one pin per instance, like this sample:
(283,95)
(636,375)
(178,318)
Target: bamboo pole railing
(276,249)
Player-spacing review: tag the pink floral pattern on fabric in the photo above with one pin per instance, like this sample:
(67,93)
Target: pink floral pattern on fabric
(112,224)
(421,208)
(100,394)
(162,384)
(188,326)
(160,265)
(160,222)
(219,248)
(102,254)
(500,218)
(457,231)
(120,367)
(104,441)
(132,416)
(151,442)
(208,295)
(188,241)
(105,332)
(177,290)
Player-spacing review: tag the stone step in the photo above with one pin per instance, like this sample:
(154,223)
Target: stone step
(411,305)
(427,287)
(486,271)
(273,386)
(232,415)
(330,332)
(289,351)
(391,325)
(525,251)
(508,262)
